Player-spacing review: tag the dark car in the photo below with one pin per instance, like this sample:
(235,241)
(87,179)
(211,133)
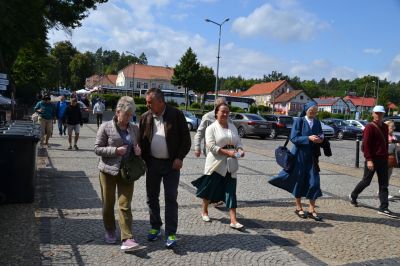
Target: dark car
(279,124)
(250,125)
(342,128)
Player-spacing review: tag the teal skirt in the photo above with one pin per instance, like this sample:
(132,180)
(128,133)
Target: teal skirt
(216,188)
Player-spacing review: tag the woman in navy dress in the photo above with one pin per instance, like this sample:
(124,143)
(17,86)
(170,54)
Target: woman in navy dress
(303,180)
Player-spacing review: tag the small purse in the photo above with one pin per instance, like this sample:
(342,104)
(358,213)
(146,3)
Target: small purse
(284,157)
(232,164)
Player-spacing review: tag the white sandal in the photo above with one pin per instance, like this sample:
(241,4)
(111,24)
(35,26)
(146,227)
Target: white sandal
(236,225)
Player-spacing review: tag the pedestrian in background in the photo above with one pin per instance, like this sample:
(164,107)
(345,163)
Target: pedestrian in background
(47,115)
(98,110)
(304,180)
(165,141)
(375,148)
(61,107)
(115,140)
(73,119)
(219,181)
(206,120)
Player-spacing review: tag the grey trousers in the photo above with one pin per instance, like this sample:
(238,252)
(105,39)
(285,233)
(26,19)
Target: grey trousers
(161,170)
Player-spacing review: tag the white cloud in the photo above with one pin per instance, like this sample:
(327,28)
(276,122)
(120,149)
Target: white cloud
(372,51)
(394,69)
(286,22)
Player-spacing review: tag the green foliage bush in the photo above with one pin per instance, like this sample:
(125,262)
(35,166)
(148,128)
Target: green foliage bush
(236,109)
(323,115)
(195,105)
(264,109)
(140,100)
(253,109)
(172,103)
(140,109)
(208,107)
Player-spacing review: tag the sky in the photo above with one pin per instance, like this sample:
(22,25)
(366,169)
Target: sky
(311,39)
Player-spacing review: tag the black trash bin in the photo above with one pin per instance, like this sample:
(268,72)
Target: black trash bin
(18,145)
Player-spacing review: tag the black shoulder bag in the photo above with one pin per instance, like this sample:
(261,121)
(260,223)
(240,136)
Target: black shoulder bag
(132,168)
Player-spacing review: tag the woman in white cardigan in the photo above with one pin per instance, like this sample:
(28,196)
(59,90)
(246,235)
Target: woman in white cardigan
(220,171)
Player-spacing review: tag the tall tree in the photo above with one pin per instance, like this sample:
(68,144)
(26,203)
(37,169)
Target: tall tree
(64,52)
(205,82)
(81,67)
(186,73)
(142,59)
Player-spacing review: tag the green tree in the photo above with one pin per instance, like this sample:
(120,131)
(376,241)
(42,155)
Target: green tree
(205,82)
(142,59)
(81,67)
(64,52)
(186,73)
(275,76)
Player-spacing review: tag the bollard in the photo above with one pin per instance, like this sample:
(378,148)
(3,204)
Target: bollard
(357,164)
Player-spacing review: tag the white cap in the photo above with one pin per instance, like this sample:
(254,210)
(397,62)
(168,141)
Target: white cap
(378,109)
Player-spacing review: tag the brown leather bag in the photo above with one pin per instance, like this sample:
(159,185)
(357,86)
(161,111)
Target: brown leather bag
(392,160)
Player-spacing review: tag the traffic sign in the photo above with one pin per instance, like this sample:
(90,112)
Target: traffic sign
(3,81)
(3,87)
(3,76)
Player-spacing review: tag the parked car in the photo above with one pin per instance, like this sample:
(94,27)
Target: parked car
(329,132)
(358,123)
(279,124)
(192,121)
(342,128)
(250,125)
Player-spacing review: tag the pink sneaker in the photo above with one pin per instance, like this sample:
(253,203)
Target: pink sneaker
(110,237)
(129,244)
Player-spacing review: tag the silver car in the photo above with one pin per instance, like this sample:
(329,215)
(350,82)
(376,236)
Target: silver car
(192,121)
(250,124)
(329,132)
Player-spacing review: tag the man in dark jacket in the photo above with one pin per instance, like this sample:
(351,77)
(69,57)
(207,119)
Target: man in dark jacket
(375,148)
(165,141)
(73,118)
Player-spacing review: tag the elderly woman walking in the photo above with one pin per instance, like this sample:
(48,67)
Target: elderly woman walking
(219,180)
(115,140)
(304,180)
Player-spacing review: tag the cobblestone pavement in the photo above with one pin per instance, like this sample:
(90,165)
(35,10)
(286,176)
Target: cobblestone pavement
(64,225)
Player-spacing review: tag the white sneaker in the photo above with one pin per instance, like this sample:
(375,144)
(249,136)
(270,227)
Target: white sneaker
(205,218)
(390,196)
(236,225)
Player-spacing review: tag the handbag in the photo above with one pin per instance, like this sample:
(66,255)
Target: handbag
(232,164)
(284,157)
(392,161)
(132,168)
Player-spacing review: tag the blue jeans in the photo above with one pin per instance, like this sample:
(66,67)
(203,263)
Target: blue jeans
(60,126)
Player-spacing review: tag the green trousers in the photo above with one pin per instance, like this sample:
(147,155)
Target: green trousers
(108,184)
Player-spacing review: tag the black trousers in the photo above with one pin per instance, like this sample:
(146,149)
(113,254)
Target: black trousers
(161,170)
(381,169)
(99,118)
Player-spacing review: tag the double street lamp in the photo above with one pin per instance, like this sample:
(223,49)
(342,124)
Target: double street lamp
(219,44)
(133,76)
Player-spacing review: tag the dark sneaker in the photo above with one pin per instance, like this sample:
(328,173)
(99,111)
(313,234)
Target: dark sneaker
(154,234)
(171,241)
(110,237)
(353,201)
(70,148)
(388,213)
(129,244)
(76,147)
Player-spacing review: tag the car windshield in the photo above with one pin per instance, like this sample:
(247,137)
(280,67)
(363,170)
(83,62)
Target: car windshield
(363,122)
(345,123)
(254,117)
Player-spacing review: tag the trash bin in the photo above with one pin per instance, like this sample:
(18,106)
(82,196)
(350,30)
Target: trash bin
(18,142)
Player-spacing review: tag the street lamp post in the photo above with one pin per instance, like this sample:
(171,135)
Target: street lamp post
(133,76)
(219,44)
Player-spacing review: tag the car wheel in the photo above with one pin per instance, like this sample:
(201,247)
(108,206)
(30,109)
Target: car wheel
(340,135)
(190,126)
(273,134)
(241,132)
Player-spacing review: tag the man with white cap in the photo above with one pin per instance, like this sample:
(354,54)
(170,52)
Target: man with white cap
(375,148)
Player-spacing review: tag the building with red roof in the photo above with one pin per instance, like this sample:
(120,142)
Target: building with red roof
(334,105)
(360,104)
(265,93)
(103,81)
(291,103)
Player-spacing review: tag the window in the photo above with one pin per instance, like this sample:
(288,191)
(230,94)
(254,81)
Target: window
(153,85)
(301,97)
(131,84)
(138,85)
(145,85)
